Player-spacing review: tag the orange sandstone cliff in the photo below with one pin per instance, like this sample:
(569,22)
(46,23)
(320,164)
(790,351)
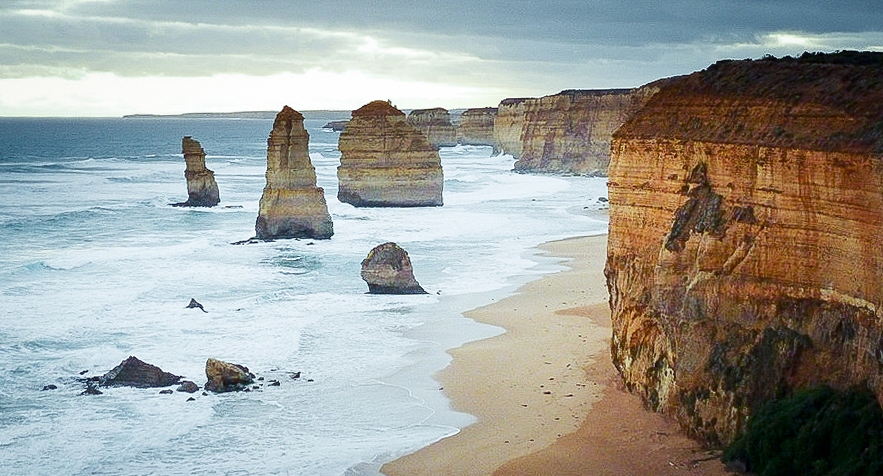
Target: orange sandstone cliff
(507,126)
(386,162)
(745,253)
(477,126)
(292,206)
(436,124)
(570,132)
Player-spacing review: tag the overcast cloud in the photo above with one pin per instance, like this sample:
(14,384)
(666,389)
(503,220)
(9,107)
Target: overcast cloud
(111,57)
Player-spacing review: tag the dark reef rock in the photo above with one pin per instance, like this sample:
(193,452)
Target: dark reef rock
(188,386)
(387,270)
(135,373)
(194,304)
(226,377)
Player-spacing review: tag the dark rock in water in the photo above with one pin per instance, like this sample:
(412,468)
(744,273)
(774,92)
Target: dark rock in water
(191,399)
(84,372)
(188,386)
(274,383)
(295,375)
(336,126)
(91,389)
(49,387)
(226,377)
(195,304)
(387,270)
(135,373)
(167,391)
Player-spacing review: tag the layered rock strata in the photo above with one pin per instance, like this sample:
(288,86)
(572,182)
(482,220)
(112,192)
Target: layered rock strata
(386,162)
(508,124)
(477,126)
(387,270)
(436,124)
(292,206)
(202,190)
(744,256)
(570,132)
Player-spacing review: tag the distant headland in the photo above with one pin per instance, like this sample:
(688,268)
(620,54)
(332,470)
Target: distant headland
(270,115)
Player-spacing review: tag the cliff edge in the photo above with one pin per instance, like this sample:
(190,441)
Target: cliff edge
(746,221)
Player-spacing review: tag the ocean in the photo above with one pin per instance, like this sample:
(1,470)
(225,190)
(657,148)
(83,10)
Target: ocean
(96,266)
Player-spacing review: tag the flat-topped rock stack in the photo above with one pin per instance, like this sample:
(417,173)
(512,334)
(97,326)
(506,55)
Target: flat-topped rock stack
(387,162)
(292,206)
(477,126)
(436,124)
(202,190)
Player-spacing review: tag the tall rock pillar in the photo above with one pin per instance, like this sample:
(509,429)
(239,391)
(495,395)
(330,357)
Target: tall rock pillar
(292,206)
(202,190)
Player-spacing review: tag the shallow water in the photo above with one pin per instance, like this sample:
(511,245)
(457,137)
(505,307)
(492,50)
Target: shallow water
(95,266)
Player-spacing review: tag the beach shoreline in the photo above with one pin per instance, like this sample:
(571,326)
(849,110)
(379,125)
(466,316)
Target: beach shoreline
(545,394)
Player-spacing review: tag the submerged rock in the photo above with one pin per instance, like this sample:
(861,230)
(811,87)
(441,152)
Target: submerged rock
(194,304)
(188,386)
(387,162)
(387,270)
(292,206)
(132,372)
(202,190)
(226,377)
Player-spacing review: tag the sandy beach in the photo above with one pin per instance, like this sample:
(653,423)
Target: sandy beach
(546,395)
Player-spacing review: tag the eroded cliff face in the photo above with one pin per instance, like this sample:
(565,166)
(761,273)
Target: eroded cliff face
(477,126)
(436,124)
(292,206)
(507,126)
(386,162)
(202,190)
(746,223)
(570,132)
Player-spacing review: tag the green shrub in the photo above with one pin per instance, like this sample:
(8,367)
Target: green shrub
(819,431)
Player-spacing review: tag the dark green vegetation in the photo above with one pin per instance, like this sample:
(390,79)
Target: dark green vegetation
(815,432)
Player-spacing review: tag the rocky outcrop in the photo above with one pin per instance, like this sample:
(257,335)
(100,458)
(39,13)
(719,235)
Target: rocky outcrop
(336,126)
(386,162)
(226,377)
(744,257)
(477,126)
(132,372)
(292,206)
(387,270)
(507,126)
(436,124)
(570,132)
(202,190)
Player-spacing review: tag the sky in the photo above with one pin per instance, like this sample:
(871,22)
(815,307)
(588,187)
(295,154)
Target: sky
(109,58)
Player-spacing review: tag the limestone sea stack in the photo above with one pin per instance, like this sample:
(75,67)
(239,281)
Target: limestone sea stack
(292,206)
(477,126)
(386,162)
(570,132)
(507,126)
(744,256)
(436,124)
(226,377)
(202,190)
(387,270)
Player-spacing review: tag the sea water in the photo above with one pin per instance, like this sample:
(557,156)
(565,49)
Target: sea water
(95,266)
